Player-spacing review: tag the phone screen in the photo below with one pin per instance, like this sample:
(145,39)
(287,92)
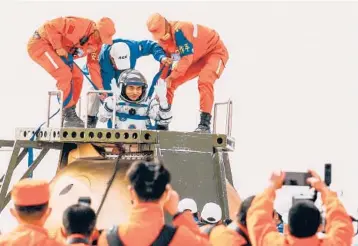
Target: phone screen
(296,179)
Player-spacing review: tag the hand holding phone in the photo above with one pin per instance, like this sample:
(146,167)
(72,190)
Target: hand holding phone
(296,178)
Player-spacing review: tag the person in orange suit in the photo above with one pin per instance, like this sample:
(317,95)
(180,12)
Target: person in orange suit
(304,219)
(196,51)
(54,46)
(151,195)
(31,209)
(235,234)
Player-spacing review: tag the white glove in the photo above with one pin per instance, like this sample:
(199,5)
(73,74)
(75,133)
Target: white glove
(114,87)
(106,110)
(161,91)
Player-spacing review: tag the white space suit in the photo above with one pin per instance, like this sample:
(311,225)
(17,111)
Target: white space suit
(141,113)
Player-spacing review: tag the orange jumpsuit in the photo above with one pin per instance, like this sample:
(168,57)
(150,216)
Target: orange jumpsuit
(263,231)
(77,236)
(202,54)
(222,235)
(65,32)
(146,222)
(28,235)
(59,235)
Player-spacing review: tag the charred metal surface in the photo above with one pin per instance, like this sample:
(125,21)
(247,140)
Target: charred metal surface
(220,179)
(90,178)
(227,166)
(182,141)
(199,164)
(67,147)
(196,172)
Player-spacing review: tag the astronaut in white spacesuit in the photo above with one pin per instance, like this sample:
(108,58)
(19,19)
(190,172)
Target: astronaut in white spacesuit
(134,110)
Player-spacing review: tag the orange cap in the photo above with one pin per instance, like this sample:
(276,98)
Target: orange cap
(30,192)
(156,23)
(106,30)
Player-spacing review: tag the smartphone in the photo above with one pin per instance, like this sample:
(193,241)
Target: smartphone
(296,179)
(328,174)
(85,200)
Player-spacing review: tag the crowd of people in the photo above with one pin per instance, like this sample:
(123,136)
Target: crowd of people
(151,193)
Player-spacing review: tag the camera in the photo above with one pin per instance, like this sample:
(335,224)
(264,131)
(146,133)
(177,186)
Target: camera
(85,200)
(299,179)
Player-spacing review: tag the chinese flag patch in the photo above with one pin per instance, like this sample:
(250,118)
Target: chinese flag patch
(71,28)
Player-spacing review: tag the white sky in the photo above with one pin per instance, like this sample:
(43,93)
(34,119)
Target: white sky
(292,75)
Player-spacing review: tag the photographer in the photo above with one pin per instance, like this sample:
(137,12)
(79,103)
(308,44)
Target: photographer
(304,220)
(151,195)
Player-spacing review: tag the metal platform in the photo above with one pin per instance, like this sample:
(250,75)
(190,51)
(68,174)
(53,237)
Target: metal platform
(65,139)
(97,135)
(207,153)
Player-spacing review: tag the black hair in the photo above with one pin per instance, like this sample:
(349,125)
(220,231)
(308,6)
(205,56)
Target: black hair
(226,222)
(244,207)
(79,219)
(278,215)
(304,219)
(34,212)
(149,179)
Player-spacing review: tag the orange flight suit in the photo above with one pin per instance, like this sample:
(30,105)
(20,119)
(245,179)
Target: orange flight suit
(263,231)
(207,59)
(29,235)
(78,244)
(222,235)
(59,235)
(29,192)
(147,220)
(65,32)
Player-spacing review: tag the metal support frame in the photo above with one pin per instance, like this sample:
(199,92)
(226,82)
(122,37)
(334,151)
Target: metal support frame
(221,183)
(50,95)
(114,107)
(229,104)
(54,138)
(15,160)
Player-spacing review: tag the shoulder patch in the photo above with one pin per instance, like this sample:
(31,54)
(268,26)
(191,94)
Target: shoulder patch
(94,56)
(184,46)
(71,28)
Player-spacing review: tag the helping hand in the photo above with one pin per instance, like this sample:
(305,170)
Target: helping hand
(166,61)
(62,52)
(161,90)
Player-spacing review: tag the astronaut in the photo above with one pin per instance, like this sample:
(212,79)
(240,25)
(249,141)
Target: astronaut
(134,109)
(123,54)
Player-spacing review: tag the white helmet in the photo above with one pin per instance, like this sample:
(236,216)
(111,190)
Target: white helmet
(121,53)
(211,213)
(188,204)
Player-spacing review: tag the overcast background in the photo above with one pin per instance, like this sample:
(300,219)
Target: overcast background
(292,75)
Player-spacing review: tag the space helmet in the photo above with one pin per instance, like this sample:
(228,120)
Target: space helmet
(132,77)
